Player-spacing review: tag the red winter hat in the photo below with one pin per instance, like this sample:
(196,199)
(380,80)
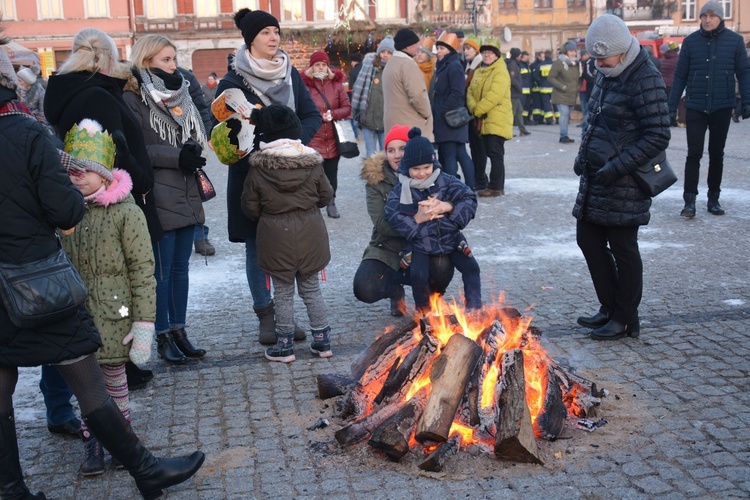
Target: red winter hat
(399,132)
(319,56)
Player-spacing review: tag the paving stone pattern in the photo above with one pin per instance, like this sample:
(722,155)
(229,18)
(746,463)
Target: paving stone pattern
(679,427)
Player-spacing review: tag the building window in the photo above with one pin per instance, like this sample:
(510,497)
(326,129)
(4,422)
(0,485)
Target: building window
(7,9)
(572,4)
(325,10)
(727,4)
(507,4)
(542,4)
(387,9)
(688,10)
(96,8)
(50,9)
(245,4)
(293,10)
(159,9)
(207,8)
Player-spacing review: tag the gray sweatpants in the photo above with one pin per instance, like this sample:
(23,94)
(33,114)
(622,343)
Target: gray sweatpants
(312,296)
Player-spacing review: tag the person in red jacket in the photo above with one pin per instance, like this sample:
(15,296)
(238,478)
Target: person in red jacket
(327,90)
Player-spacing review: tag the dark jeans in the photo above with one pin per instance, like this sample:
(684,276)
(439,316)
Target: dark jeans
(614,261)
(172,258)
(466,265)
(56,395)
(478,157)
(201,232)
(717,124)
(451,154)
(494,145)
(376,280)
(331,169)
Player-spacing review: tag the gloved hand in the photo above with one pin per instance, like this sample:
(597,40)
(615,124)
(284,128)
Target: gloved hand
(142,335)
(605,175)
(122,150)
(745,113)
(673,119)
(190,158)
(578,165)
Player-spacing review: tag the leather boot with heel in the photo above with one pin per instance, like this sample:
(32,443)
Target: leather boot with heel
(615,330)
(595,321)
(713,203)
(689,208)
(184,345)
(167,349)
(12,485)
(151,474)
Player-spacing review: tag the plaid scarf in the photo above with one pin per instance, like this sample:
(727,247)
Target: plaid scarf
(362,85)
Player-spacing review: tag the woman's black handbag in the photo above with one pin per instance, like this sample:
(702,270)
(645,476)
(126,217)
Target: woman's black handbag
(41,292)
(656,175)
(458,117)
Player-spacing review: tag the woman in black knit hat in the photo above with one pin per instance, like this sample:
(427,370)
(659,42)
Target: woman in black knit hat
(265,75)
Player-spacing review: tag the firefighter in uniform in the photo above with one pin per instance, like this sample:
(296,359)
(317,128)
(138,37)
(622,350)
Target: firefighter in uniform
(523,62)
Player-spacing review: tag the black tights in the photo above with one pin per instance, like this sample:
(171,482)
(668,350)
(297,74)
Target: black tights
(84,377)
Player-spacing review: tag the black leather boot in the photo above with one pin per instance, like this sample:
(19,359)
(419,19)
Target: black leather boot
(167,349)
(713,203)
(595,321)
(183,344)
(151,474)
(615,330)
(689,209)
(11,476)
(137,377)
(93,455)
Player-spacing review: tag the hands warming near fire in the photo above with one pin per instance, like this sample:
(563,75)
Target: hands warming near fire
(431,209)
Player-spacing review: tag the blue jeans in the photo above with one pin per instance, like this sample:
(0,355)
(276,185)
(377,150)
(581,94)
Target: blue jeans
(256,278)
(564,119)
(355,126)
(466,265)
(585,106)
(453,153)
(172,256)
(57,396)
(201,232)
(373,141)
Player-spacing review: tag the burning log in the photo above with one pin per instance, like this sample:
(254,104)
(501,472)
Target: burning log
(392,436)
(331,385)
(582,396)
(401,376)
(437,459)
(551,420)
(515,436)
(449,375)
(384,348)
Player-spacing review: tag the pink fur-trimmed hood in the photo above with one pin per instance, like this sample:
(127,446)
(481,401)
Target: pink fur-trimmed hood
(117,191)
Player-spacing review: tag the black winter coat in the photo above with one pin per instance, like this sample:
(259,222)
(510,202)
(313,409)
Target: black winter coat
(36,197)
(71,97)
(240,227)
(634,107)
(448,92)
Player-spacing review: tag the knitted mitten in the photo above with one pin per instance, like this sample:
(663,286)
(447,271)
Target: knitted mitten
(142,335)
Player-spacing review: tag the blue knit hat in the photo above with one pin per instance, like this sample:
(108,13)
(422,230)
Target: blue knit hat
(418,151)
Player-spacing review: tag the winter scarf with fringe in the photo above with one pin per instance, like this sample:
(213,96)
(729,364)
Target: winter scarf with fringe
(270,80)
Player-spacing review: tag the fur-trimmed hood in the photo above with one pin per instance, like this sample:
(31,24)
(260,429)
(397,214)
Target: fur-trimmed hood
(335,75)
(284,154)
(118,189)
(373,168)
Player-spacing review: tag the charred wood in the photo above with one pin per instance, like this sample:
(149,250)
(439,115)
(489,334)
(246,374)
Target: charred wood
(437,459)
(331,385)
(392,436)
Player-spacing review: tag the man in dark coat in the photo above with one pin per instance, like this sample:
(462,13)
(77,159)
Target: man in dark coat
(709,60)
(631,109)
(516,90)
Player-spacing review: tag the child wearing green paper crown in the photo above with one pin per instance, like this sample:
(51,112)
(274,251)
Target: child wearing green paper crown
(111,248)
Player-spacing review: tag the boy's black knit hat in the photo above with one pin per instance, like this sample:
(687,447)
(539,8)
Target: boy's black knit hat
(276,122)
(418,151)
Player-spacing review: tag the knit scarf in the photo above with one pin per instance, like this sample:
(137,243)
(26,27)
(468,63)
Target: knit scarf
(563,58)
(361,91)
(407,183)
(630,56)
(172,113)
(270,80)
(428,70)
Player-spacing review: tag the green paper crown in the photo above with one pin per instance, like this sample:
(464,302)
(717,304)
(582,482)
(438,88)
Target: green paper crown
(88,140)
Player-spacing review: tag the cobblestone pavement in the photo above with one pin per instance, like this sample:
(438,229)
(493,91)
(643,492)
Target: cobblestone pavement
(679,425)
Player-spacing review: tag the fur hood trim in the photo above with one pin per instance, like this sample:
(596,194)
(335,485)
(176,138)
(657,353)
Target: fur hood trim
(118,189)
(132,85)
(335,75)
(372,168)
(270,161)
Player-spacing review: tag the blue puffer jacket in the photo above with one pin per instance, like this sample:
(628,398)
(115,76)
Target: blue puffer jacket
(439,236)
(707,65)
(448,92)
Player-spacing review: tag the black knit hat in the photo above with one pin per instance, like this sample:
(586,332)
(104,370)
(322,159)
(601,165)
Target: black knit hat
(405,38)
(418,151)
(276,122)
(251,22)
(515,52)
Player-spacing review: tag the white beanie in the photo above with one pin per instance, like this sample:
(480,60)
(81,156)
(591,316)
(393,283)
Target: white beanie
(714,8)
(608,36)
(8,77)
(27,76)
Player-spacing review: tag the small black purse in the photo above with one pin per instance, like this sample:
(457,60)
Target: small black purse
(458,117)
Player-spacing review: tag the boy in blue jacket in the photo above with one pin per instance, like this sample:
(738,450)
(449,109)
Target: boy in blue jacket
(429,209)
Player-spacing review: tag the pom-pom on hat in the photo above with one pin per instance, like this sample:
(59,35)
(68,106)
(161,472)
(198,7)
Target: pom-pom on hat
(397,132)
(386,44)
(608,36)
(405,38)
(27,76)
(92,146)
(714,8)
(276,122)
(251,22)
(418,151)
(319,56)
